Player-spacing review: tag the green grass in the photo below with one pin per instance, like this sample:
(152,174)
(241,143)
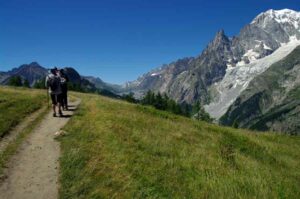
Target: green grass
(114,149)
(17,103)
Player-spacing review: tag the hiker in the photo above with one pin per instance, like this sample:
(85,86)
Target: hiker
(54,86)
(64,88)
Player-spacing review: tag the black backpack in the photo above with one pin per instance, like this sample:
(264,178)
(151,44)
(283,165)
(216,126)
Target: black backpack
(54,83)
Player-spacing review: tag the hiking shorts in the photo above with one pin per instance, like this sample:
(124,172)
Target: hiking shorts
(56,98)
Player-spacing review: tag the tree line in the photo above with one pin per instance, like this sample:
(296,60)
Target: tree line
(18,82)
(165,103)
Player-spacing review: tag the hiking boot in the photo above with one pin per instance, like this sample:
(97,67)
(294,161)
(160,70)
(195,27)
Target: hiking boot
(54,114)
(60,114)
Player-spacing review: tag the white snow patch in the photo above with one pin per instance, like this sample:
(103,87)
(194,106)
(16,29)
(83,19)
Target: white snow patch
(182,73)
(267,47)
(154,74)
(259,43)
(241,63)
(251,55)
(293,38)
(238,78)
(229,65)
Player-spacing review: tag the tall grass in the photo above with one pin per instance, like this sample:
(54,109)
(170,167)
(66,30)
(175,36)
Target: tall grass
(115,149)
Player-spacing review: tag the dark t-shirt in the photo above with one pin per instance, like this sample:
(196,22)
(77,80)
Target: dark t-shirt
(64,80)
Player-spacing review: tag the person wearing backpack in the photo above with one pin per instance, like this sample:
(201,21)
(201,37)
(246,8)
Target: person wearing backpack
(64,88)
(54,86)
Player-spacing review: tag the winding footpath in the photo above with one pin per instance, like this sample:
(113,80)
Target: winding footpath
(33,172)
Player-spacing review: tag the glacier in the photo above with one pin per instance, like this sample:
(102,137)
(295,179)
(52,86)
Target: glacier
(237,78)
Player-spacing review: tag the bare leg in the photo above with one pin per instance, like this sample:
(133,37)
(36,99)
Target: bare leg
(54,109)
(59,109)
(66,101)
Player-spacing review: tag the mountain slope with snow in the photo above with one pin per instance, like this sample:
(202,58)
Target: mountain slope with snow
(271,100)
(238,78)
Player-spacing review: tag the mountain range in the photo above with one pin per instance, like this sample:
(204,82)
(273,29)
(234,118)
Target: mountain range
(228,66)
(31,72)
(189,79)
(34,72)
(233,77)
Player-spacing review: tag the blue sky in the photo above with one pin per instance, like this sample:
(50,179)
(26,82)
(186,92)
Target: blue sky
(118,40)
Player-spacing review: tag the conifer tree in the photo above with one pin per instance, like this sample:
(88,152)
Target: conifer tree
(40,83)
(15,81)
(158,101)
(26,83)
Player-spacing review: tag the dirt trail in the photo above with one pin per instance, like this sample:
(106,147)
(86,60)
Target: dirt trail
(18,129)
(33,171)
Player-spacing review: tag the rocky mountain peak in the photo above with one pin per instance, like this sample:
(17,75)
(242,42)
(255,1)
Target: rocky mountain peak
(220,40)
(33,67)
(72,74)
(220,33)
(34,64)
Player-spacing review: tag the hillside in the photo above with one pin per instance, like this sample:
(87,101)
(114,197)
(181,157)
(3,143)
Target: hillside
(271,100)
(114,149)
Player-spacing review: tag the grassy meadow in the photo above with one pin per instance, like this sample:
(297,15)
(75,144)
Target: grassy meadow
(114,149)
(17,103)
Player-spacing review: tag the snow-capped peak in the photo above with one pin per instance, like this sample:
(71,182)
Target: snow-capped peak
(281,12)
(281,16)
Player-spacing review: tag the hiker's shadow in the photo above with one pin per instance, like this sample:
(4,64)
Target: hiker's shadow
(66,116)
(72,109)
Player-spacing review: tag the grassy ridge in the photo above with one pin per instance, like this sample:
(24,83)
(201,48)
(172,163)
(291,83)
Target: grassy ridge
(17,103)
(119,150)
